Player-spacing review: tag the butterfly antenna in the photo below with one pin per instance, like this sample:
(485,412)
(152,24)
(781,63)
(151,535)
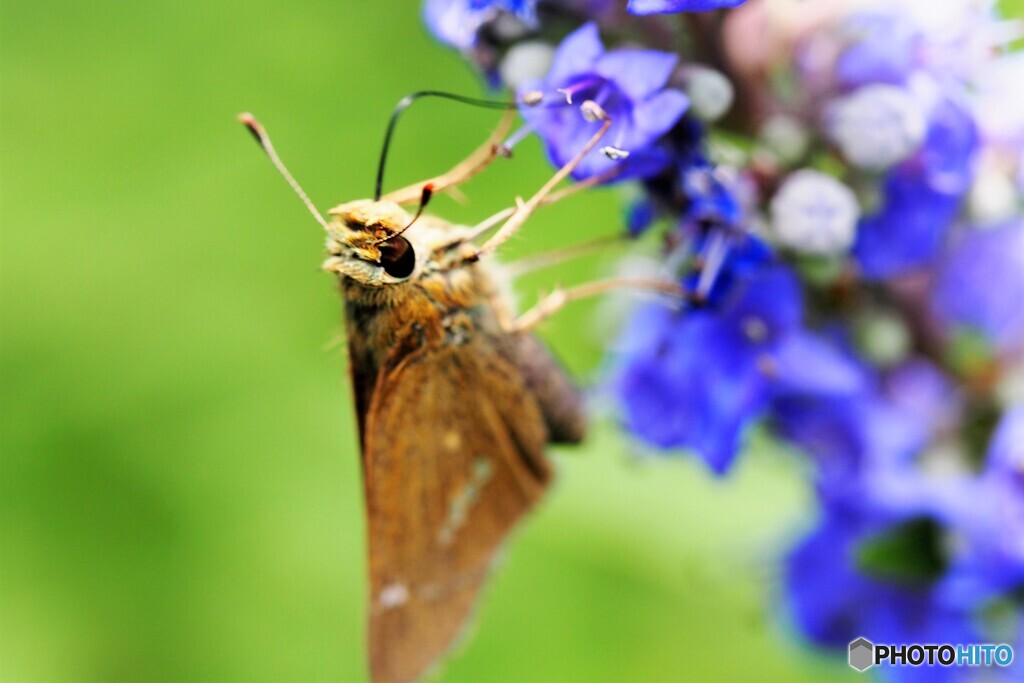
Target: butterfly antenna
(404,103)
(263,139)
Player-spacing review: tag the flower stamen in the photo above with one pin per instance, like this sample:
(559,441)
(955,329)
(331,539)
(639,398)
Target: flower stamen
(592,111)
(614,153)
(571,90)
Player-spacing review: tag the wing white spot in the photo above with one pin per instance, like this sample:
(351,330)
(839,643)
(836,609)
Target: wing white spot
(393,595)
(458,508)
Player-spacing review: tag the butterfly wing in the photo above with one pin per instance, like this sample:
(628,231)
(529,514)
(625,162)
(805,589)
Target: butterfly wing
(453,458)
(557,396)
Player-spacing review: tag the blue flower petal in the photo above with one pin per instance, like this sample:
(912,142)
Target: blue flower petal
(907,231)
(638,73)
(458,22)
(639,216)
(771,299)
(1006,451)
(834,602)
(884,51)
(949,147)
(698,379)
(657,114)
(452,21)
(807,364)
(576,54)
(626,84)
(981,285)
(671,6)
(697,390)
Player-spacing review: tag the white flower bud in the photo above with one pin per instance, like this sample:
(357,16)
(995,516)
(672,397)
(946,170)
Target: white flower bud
(883,337)
(993,197)
(876,126)
(814,213)
(785,136)
(710,92)
(528,61)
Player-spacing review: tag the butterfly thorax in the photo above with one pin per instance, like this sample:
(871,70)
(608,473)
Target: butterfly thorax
(443,308)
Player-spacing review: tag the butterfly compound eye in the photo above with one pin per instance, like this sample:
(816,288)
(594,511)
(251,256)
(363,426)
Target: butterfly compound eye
(397,257)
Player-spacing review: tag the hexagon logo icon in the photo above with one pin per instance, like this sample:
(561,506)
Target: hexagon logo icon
(862,654)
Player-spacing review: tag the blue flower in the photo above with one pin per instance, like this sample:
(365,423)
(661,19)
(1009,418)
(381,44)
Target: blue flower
(853,438)
(859,575)
(698,378)
(907,231)
(878,564)
(946,157)
(709,199)
(921,197)
(458,22)
(865,441)
(882,564)
(989,526)
(670,6)
(980,285)
(640,216)
(628,84)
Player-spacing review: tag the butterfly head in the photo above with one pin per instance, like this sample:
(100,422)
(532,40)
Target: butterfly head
(370,242)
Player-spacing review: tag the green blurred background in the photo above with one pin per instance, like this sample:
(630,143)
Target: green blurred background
(179,488)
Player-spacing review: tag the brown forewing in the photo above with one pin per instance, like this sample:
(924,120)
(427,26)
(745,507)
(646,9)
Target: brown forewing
(453,457)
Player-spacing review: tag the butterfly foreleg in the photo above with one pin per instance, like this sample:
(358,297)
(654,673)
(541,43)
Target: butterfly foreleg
(477,161)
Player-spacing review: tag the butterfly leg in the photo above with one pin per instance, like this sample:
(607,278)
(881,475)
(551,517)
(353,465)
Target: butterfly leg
(556,300)
(496,219)
(464,170)
(524,210)
(528,264)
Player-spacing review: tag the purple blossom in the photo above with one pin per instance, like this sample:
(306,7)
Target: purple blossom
(709,199)
(907,231)
(671,6)
(947,155)
(865,441)
(920,198)
(980,285)
(878,564)
(458,22)
(883,48)
(697,378)
(628,84)
(989,561)
(852,438)
(858,575)
(881,564)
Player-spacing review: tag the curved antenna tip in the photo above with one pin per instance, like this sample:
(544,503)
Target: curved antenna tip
(250,122)
(258,132)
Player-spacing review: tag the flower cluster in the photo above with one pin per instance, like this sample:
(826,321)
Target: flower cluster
(840,190)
